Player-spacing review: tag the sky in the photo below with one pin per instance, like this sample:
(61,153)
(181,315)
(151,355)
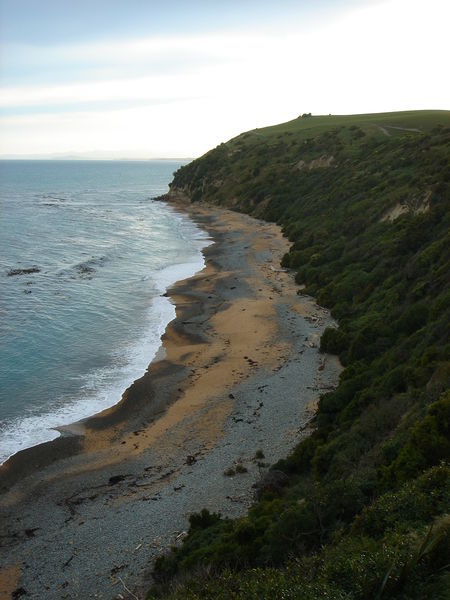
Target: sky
(174,78)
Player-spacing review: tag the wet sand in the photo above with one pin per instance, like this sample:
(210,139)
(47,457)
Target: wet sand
(239,371)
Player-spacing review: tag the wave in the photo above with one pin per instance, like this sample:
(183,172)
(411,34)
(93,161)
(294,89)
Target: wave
(53,200)
(104,387)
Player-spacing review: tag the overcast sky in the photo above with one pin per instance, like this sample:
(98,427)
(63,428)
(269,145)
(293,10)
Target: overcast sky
(138,78)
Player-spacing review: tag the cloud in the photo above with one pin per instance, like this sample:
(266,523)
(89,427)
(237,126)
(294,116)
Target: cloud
(180,95)
(165,64)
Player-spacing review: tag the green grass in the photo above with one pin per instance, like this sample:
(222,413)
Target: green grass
(364,511)
(422,119)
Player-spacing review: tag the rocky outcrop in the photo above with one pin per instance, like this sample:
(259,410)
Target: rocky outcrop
(318,163)
(27,271)
(415,206)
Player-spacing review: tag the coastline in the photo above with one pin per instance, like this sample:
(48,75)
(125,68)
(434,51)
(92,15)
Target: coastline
(104,377)
(241,352)
(67,440)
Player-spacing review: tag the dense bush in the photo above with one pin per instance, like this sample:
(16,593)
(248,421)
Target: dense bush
(363,515)
(398,548)
(333,341)
(428,443)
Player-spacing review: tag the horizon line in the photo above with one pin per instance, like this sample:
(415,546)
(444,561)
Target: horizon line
(98,158)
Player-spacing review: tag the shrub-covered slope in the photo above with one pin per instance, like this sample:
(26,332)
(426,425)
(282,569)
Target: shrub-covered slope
(365,202)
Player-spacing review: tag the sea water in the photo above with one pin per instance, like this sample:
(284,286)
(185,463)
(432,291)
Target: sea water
(86,255)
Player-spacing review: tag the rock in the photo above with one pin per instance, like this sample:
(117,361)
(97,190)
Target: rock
(27,271)
(85,270)
(31,532)
(116,479)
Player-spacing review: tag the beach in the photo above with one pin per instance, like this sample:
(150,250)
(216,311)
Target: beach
(239,371)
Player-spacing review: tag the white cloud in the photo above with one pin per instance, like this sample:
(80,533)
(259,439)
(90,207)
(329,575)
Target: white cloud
(389,56)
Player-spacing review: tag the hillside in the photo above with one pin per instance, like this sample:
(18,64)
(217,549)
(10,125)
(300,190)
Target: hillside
(359,509)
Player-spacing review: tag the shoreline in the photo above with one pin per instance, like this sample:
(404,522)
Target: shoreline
(144,346)
(43,453)
(241,371)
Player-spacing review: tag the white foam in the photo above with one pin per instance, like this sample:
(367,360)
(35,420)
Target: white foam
(103,388)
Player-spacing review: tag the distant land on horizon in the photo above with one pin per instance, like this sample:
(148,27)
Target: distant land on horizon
(89,156)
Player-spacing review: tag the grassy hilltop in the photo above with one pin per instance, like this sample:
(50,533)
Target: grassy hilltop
(361,511)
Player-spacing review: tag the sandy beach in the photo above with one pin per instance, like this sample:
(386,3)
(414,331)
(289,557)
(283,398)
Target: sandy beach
(239,371)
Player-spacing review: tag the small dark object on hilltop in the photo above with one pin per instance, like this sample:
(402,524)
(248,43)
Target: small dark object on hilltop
(27,271)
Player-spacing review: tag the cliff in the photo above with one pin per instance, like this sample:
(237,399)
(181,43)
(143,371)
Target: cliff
(361,513)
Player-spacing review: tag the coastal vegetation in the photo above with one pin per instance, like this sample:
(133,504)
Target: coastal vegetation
(360,508)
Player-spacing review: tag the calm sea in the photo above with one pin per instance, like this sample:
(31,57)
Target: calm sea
(86,319)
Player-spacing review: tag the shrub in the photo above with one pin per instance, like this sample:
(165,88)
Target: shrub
(428,443)
(333,341)
(240,468)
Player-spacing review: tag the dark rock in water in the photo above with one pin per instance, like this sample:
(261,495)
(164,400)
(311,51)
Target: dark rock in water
(27,271)
(85,270)
(273,481)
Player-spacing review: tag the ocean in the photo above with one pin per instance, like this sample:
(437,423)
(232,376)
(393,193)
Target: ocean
(86,255)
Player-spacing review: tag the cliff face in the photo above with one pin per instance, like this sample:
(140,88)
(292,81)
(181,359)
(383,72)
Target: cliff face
(297,154)
(365,202)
